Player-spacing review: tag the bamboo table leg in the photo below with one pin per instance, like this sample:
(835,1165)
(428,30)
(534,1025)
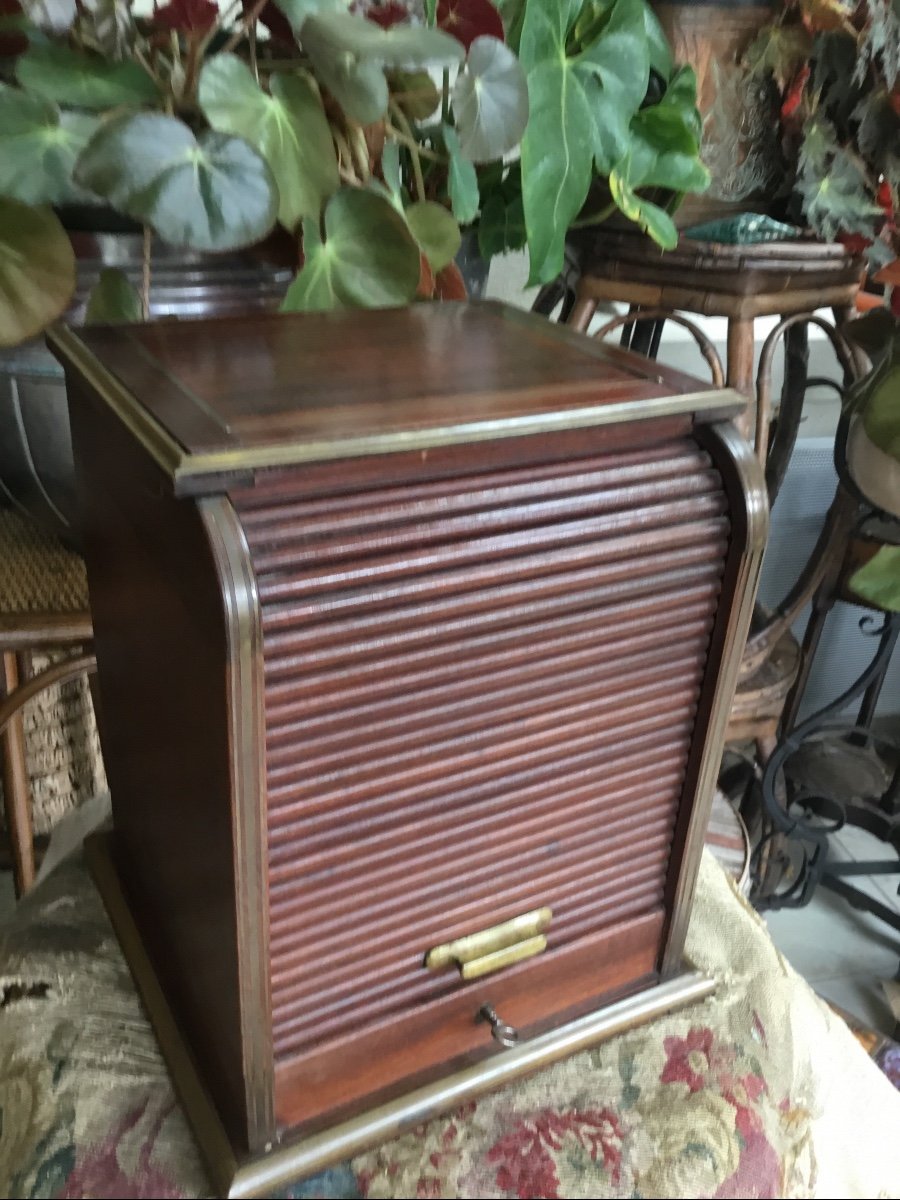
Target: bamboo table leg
(16,787)
(739,374)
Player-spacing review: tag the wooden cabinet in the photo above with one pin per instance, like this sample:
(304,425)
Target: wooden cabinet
(416,634)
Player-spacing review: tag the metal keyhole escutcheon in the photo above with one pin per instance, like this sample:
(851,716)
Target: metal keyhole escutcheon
(500,1031)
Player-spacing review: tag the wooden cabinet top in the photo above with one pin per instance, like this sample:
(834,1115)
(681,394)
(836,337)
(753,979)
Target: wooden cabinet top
(212,397)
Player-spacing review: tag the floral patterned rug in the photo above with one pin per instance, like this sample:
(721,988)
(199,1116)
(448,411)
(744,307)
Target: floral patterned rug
(759,1091)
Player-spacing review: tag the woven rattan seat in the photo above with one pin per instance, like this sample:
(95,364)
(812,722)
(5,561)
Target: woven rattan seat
(38,573)
(49,750)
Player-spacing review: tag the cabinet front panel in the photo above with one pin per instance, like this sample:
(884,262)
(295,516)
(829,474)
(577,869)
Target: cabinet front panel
(480,698)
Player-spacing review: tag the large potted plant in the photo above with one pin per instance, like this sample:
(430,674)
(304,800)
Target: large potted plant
(355,147)
(197,133)
(614,132)
(834,67)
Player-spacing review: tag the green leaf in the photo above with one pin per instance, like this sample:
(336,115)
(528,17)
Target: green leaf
(620,56)
(649,217)
(680,100)
(415,92)
(657,44)
(368,259)
(490,101)
(780,50)
(356,82)
(214,192)
(113,301)
(881,408)
(38,147)
(581,106)
(399,46)
(878,582)
(557,166)
(289,129)
(436,232)
(837,196)
(430,13)
(82,80)
(297,11)
(513,14)
(390,167)
(462,180)
(37,270)
(663,153)
(350,54)
(501,227)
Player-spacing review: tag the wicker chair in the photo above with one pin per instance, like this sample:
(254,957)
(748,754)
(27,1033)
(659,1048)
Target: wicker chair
(49,751)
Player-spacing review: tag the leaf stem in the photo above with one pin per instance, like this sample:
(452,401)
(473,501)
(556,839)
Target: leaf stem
(145,272)
(359,149)
(345,157)
(254,66)
(225,15)
(596,218)
(240,33)
(445,96)
(412,145)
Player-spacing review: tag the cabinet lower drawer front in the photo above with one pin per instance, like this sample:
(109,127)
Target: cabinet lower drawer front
(343,1076)
(480,698)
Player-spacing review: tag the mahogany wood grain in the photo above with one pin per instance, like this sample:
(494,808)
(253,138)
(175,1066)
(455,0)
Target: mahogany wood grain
(161,643)
(483,649)
(232,383)
(443,466)
(337,1076)
(326,691)
(519,749)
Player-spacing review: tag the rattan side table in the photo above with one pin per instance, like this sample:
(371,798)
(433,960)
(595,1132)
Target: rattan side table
(789,279)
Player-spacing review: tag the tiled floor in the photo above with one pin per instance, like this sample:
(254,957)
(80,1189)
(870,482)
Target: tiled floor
(843,953)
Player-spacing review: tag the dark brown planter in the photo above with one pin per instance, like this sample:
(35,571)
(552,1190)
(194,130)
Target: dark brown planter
(712,38)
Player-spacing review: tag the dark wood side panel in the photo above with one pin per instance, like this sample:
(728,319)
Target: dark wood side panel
(163,643)
(343,1075)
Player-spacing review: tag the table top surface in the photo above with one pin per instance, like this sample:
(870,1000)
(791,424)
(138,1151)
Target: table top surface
(257,389)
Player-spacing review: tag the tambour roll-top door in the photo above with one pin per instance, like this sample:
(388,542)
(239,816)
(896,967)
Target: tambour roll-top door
(480,694)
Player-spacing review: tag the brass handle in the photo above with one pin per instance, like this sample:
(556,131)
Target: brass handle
(488,950)
(505,1034)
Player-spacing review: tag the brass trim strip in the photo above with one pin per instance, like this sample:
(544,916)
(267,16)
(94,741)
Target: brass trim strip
(161,447)
(246,692)
(489,941)
(294,454)
(475,968)
(261,1175)
(730,450)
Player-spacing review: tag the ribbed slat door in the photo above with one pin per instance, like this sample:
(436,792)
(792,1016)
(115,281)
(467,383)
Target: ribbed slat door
(480,695)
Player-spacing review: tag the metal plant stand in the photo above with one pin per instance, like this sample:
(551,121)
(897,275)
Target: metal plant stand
(831,770)
(810,808)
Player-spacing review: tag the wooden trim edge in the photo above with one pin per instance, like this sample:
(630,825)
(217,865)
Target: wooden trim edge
(743,477)
(246,704)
